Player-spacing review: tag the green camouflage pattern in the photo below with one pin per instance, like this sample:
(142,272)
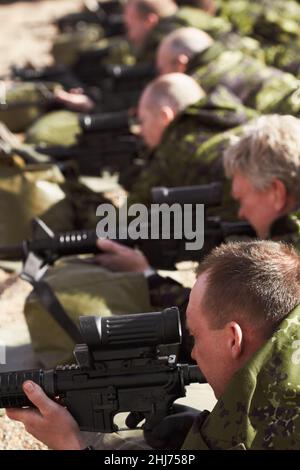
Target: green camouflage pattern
(114,51)
(284,57)
(275,24)
(147,53)
(83,288)
(269,21)
(197,18)
(24,103)
(192,146)
(58,128)
(266,89)
(287,229)
(67,47)
(260,409)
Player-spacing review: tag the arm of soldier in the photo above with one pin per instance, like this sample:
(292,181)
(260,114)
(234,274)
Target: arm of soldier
(174,153)
(117,257)
(48,422)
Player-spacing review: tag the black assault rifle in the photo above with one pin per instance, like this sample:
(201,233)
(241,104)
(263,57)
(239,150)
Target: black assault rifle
(105,143)
(162,253)
(121,367)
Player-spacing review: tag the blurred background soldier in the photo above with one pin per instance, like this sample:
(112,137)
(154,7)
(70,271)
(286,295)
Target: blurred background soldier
(263,88)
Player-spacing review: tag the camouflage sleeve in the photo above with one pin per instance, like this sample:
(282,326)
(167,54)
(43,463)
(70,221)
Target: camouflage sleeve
(174,163)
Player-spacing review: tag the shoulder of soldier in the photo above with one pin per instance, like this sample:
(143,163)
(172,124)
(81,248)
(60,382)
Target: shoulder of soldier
(197,18)
(287,229)
(261,395)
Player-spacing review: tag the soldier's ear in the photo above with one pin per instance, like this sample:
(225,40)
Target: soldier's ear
(182,62)
(234,338)
(167,115)
(279,195)
(151,20)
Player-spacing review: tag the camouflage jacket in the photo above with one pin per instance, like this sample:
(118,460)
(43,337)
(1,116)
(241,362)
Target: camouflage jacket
(165,291)
(260,408)
(197,18)
(269,21)
(147,53)
(191,147)
(266,89)
(287,229)
(274,23)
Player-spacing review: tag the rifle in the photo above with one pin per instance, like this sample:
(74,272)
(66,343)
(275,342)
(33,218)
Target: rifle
(108,15)
(105,143)
(161,253)
(120,85)
(121,367)
(56,74)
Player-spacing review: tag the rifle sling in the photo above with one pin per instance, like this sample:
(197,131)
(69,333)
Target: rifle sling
(51,303)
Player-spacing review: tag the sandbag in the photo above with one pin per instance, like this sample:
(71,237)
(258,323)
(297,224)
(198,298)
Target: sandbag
(55,128)
(67,46)
(24,103)
(27,192)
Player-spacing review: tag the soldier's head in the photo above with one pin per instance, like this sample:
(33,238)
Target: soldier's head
(242,293)
(141,17)
(264,165)
(206,5)
(179,47)
(162,100)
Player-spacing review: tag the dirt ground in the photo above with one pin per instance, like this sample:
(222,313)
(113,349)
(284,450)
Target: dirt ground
(26,32)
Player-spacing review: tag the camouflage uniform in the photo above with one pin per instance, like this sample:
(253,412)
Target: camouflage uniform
(197,18)
(275,24)
(269,21)
(287,229)
(263,88)
(260,408)
(191,147)
(267,385)
(147,53)
(166,291)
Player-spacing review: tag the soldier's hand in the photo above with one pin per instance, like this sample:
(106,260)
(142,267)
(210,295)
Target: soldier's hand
(75,100)
(49,422)
(171,432)
(117,257)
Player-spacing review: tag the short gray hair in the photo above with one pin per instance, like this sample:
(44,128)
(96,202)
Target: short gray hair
(188,41)
(268,149)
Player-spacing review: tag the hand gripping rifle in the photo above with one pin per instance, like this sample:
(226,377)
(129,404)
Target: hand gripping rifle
(120,368)
(47,247)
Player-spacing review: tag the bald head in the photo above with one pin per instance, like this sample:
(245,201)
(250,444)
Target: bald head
(177,49)
(162,101)
(175,90)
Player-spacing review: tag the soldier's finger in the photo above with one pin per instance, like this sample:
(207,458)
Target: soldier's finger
(38,397)
(22,415)
(109,246)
